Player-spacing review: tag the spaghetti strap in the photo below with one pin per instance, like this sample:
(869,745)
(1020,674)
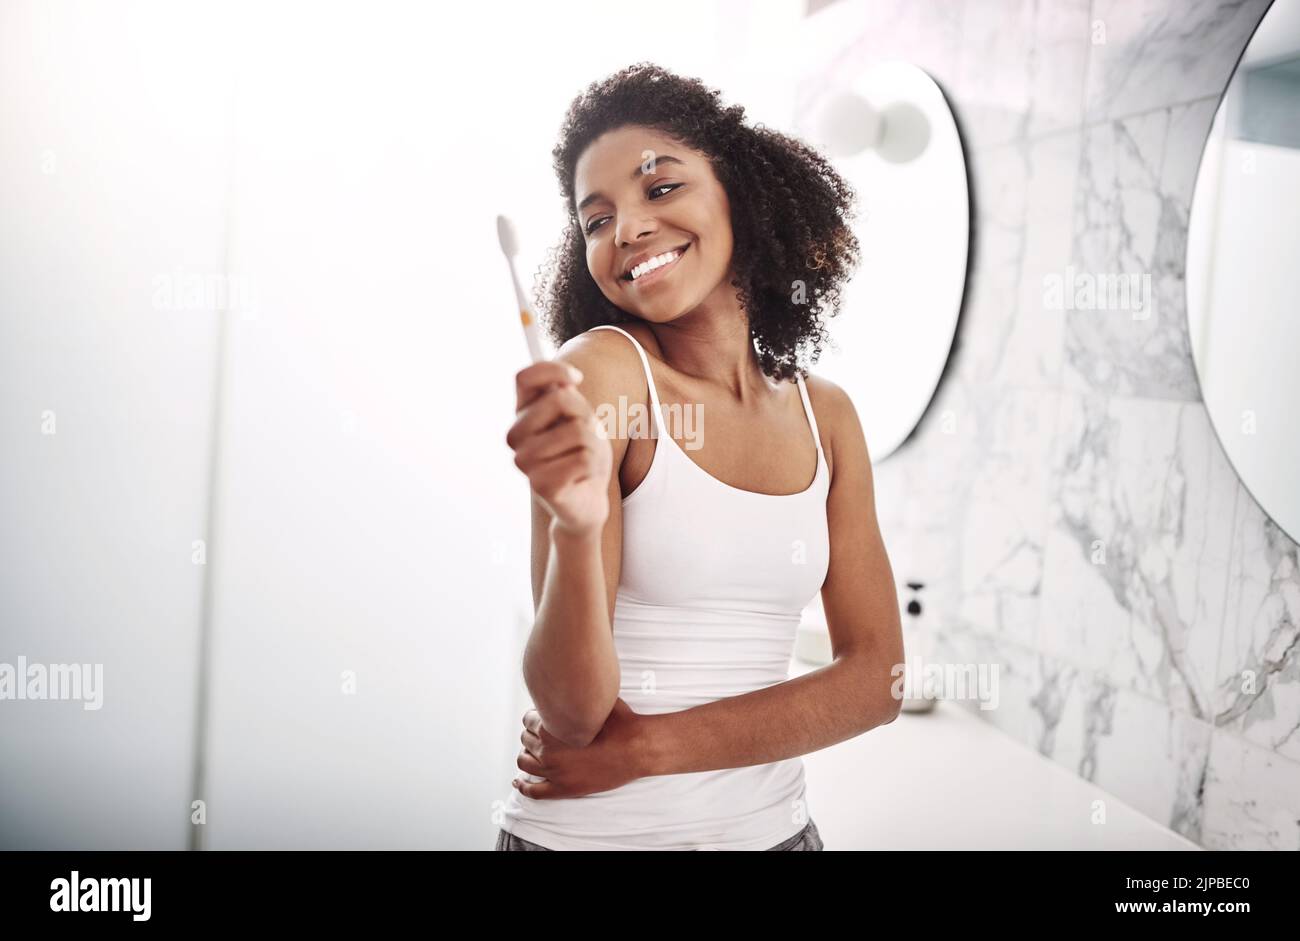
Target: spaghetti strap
(649,378)
(807,407)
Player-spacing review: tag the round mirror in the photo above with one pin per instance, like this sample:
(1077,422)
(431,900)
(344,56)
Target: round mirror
(1243,252)
(891,135)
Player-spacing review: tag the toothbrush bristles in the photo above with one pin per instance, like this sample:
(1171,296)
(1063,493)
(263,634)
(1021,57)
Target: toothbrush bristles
(506,235)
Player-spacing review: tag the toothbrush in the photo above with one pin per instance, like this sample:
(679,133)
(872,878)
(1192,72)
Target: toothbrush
(509,248)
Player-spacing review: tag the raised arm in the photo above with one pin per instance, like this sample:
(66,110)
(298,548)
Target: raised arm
(570,665)
(843,699)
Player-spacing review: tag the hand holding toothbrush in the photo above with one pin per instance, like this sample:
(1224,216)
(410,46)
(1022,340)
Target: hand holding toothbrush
(558,441)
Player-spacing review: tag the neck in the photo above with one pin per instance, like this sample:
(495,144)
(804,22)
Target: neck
(712,343)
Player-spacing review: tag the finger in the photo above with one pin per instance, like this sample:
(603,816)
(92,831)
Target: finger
(532,742)
(546,445)
(539,790)
(526,762)
(558,404)
(533,380)
(529,396)
(532,720)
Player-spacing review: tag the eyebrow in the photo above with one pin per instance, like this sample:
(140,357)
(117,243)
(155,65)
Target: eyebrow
(661,158)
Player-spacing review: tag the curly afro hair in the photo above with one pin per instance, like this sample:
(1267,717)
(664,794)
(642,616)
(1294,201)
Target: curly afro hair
(790,213)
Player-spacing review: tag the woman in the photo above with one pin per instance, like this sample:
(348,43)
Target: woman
(669,587)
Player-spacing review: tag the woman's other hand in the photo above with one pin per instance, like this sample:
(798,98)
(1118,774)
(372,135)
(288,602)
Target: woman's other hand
(616,756)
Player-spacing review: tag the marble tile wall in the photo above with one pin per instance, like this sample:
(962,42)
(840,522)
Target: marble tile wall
(1065,500)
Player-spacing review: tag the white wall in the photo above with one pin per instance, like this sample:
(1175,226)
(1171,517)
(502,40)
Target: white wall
(337,172)
(113,160)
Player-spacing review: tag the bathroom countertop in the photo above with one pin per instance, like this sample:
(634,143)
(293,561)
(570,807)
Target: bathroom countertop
(946,779)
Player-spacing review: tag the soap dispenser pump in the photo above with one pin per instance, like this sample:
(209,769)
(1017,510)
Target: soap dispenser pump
(915,638)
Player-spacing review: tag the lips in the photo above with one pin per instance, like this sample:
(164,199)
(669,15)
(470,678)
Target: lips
(649,276)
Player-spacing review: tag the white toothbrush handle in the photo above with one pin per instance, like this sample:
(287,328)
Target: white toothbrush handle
(530,334)
(528,319)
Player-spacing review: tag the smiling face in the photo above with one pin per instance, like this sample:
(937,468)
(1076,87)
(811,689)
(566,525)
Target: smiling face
(677,209)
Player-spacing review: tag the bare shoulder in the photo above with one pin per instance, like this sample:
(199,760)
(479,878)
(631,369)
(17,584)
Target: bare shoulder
(611,371)
(837,419)
(605,357)
(832,406)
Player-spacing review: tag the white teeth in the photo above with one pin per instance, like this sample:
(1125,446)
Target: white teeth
(657,262)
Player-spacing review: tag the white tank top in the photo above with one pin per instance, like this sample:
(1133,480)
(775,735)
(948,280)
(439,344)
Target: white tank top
(714,581)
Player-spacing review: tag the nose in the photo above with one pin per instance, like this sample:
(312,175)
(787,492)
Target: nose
(642,226)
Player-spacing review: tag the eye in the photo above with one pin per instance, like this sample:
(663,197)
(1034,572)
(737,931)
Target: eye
(591,225)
